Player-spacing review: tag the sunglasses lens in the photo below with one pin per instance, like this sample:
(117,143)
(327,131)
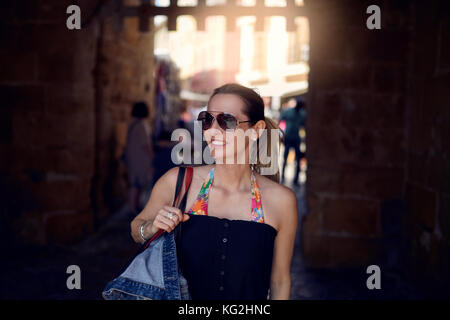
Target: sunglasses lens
(227,121)
(206,119)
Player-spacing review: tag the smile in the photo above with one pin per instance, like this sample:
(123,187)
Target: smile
(218,143)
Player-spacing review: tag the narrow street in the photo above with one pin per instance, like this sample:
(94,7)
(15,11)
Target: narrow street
(40,272)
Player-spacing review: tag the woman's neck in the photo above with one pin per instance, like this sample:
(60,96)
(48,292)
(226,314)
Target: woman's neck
(232,177)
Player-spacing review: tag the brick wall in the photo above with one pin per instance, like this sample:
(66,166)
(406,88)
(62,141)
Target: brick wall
(355,131)
(377,137)
(428,156)
(65,94)
(125,66)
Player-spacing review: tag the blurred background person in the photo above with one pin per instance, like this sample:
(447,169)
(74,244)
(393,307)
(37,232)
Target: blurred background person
(138,155)
(294,117)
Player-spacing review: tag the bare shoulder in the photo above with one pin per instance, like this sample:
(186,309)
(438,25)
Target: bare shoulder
(279,202)
(163,189)
(275,192)
(202,171)
(169,179)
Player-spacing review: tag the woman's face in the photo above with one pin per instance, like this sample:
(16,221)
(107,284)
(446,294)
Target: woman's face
(229,146)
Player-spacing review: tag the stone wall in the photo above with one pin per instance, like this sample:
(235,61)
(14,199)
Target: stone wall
(355,130)
(125,75)
(428,156)
(66,97)
(378,119)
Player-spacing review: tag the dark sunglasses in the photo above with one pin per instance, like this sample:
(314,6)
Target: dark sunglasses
(225,120)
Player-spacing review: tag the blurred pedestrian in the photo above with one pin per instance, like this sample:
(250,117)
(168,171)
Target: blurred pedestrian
(294,117)
(138,155)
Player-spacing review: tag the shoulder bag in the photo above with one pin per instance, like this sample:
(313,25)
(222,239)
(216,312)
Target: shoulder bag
(154,273)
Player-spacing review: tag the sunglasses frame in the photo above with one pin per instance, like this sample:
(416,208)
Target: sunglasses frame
(221,124)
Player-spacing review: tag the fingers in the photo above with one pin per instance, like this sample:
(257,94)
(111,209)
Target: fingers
(161,224)
(175,211)
(162,220)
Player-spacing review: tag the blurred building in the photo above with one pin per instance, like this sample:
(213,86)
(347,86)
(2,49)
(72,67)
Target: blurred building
(273,61)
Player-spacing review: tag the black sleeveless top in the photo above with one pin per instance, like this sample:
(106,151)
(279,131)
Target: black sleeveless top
(225,259)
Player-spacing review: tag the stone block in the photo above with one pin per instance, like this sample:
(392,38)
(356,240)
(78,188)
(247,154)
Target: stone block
(23,69)
(67,99)
(375,182)
(76,159)
(417,170)
(62,192)
(321,143)
(356,110)
(422,204)
(67,131)
(73,160)
(328,108)
(23,98)
(29,228)
(316,251)
(27,130)
(68,60)
(438,167)
(388,110)
(340,76)
(18,37)
(58,67)
(351,252)
(388,45)
(6,10)
(26,11)
(68,227)
(311,223)
(444,217)
(389,78)
(359,146)
(352,216)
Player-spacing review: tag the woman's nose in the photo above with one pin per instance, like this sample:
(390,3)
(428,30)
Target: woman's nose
(215,125)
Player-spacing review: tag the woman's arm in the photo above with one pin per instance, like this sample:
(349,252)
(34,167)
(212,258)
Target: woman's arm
(280,281)
(162,195)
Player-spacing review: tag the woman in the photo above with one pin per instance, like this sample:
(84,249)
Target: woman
(237,239)
(138,155)
(294,118)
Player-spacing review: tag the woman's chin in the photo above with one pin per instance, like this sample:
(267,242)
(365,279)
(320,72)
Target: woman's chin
(220,157)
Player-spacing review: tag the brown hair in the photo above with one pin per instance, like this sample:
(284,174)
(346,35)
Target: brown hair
(254,110)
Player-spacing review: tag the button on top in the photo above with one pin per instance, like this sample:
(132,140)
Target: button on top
(226,224)
(224,240)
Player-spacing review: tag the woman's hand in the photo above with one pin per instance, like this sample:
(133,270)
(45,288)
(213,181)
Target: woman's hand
(167,219)
(160,197)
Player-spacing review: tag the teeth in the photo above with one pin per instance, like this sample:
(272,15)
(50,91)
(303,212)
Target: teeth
(218,143)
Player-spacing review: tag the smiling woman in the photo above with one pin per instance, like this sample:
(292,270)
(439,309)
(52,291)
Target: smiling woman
(230,246)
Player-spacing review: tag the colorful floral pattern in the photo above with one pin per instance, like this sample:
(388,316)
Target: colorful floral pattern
(200,206)
(257,212)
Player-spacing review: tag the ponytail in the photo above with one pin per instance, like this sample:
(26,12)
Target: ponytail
(270,127)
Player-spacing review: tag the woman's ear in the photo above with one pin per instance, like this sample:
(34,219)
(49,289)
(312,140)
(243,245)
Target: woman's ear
(259,127)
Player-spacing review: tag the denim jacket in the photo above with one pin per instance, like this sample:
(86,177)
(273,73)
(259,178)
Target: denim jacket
(152,275)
